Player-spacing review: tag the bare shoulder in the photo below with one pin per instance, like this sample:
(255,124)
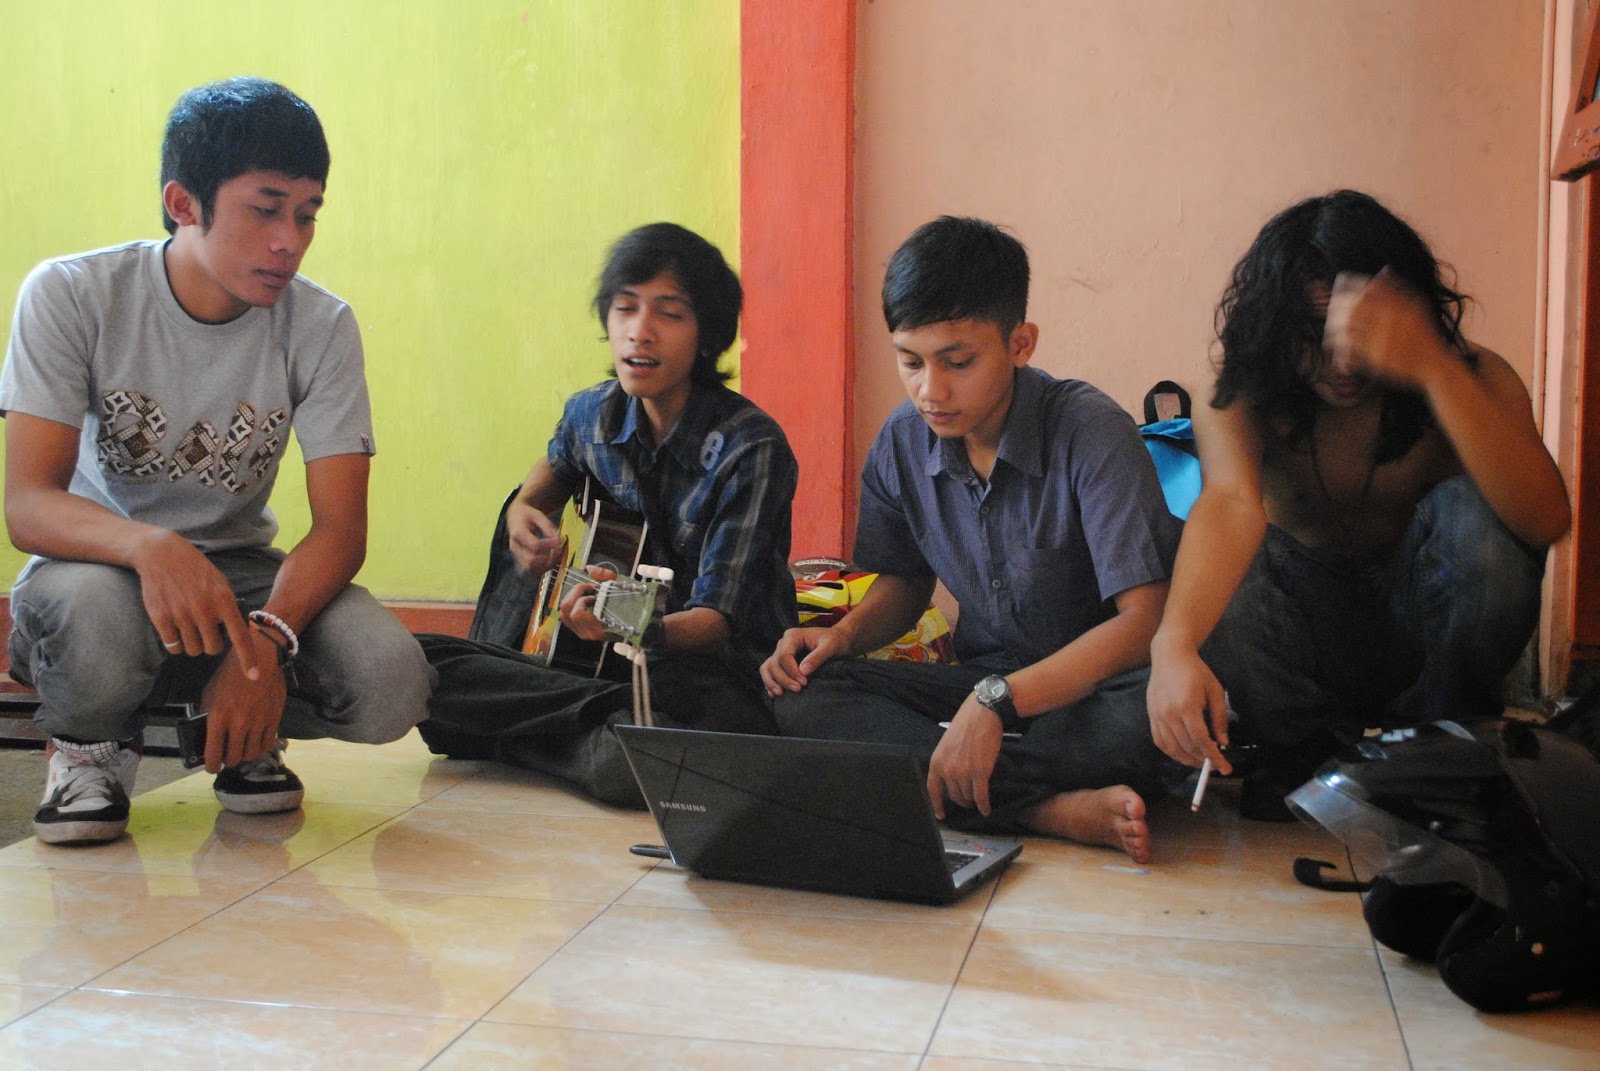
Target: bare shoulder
(1497,375)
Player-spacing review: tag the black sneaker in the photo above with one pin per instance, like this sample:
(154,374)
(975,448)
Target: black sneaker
(85,793)
(261,786)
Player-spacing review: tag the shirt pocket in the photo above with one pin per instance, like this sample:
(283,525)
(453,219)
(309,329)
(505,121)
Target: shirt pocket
(1054,595)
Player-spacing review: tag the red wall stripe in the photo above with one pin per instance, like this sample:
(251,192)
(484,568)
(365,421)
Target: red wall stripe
(796,247)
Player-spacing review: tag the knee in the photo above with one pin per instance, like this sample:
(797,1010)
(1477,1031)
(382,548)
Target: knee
(794,713)
(388,690)
(81,636)
(100,605)
(1473,550)
(399,690)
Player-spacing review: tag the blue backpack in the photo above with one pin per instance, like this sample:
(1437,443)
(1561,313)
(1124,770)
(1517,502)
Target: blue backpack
(1172,448)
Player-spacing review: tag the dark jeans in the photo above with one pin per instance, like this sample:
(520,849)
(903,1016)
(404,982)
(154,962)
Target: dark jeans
(1314,649)
(496,703)
(1101,740)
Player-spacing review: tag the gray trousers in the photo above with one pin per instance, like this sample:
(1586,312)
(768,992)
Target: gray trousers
(82,639)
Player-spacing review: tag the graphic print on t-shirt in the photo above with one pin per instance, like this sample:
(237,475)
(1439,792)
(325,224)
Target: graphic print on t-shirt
(132,425)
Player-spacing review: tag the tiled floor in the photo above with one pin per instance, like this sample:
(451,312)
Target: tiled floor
(428,913)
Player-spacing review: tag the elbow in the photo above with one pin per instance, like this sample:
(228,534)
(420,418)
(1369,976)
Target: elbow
(20,530)
(1549,527)
(1548,521)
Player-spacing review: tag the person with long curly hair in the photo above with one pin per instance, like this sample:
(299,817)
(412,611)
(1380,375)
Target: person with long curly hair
(1369,542)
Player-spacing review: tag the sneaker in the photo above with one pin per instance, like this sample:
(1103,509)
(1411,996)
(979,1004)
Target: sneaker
(85,792)
(261,786)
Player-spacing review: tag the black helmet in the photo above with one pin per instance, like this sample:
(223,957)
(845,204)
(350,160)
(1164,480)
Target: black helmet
(1486,843)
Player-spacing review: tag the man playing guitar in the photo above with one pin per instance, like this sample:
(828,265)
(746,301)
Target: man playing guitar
(712,476)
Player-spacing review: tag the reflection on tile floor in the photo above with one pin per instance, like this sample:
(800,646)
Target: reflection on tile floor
(422,912)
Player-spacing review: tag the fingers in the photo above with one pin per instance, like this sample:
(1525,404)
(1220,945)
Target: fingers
(1348,288)
(229,743)
(244,650)
(215,732)
(980,793)
(242,716)
(577,613)
(580,596)
(1217,708)
(962,791)
(535,541)
(812,662)
(782,672)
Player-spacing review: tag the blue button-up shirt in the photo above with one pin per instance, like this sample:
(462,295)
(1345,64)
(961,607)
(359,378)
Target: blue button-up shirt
(716,494)
(1072,515)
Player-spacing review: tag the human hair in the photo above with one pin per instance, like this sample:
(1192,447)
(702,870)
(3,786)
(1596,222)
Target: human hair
(220,131)
(957,268)
(1269,327)
(698,266)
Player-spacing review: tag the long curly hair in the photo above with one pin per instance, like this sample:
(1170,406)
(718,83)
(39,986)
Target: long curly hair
(1267,323)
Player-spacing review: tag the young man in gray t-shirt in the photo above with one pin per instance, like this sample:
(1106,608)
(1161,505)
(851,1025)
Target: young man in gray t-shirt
(148,394)
(1034,501)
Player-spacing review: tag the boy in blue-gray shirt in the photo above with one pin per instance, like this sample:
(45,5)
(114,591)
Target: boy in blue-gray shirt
(1034,501)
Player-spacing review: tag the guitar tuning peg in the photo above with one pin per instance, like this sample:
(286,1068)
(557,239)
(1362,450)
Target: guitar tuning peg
(656,572)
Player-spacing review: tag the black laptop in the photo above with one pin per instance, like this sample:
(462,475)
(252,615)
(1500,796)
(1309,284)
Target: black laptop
(808,814)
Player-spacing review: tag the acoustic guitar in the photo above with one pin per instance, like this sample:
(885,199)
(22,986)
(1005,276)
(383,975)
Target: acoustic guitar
(594,531)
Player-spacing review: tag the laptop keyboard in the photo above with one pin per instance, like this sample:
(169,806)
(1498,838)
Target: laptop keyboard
(956,860)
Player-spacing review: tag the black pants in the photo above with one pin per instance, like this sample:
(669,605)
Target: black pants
(1102,739)
(493,702)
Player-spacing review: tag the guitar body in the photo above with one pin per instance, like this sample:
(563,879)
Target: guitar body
(594,531)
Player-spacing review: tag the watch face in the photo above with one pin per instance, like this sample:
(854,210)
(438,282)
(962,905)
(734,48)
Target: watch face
(992,690)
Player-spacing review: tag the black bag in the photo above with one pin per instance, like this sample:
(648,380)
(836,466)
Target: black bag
(505,603)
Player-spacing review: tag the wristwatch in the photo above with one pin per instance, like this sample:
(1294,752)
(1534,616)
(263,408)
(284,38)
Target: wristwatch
(994,693)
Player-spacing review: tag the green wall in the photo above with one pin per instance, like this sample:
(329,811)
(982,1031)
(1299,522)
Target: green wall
(485,154)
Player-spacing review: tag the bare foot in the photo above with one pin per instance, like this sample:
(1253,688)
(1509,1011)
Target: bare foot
(1111,816)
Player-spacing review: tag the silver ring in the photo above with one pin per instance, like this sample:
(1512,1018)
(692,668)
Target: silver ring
(174,645)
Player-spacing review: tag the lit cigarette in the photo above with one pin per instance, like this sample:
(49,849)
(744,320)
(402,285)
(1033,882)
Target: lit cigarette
(1200,787)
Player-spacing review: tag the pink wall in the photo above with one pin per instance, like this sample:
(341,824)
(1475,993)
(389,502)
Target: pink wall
(1137,148)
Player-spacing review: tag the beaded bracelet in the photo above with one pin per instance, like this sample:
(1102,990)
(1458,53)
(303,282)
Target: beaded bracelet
(264,621)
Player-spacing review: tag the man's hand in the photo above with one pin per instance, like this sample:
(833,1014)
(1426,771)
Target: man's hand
(535,539)
(1379,327)
(190,603)
(577,607)
(965,758)
(799,654)
(242,715)
(1183,692)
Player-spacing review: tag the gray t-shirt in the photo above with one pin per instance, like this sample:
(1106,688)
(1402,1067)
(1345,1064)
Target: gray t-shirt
(183,424)
(1071,516)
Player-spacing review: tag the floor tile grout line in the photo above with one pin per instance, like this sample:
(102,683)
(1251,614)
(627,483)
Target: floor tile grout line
(1175,937)
(64,993)
(992,891)
(647,1035)
(267,884)
(570,938)
(171,936)
(1394,1007)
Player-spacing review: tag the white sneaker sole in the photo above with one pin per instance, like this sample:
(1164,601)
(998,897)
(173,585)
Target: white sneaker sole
(262,802)
(80,832)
